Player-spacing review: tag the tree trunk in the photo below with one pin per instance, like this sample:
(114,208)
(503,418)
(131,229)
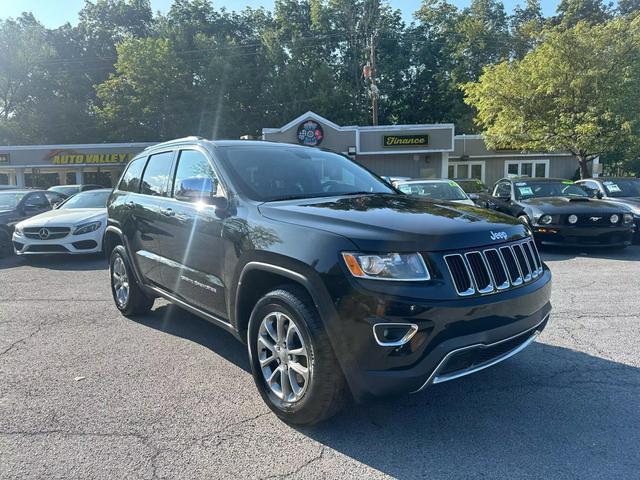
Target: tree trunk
(583,162)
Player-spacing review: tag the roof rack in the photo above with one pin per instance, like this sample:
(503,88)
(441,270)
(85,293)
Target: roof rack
(183,139)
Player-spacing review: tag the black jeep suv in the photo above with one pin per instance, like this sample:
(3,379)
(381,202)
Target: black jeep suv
(337,283)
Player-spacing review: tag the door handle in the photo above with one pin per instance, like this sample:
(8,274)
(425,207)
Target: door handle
(167,212)
(130,204)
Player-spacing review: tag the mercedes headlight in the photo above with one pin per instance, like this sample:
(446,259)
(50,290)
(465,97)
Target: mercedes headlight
(19,230)
(387,266)
(87,228)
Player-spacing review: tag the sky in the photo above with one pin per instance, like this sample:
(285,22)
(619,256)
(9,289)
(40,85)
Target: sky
(53,13)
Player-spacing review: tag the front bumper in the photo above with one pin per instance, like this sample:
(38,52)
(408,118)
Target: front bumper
(583,236)
(453,337)
(70,244)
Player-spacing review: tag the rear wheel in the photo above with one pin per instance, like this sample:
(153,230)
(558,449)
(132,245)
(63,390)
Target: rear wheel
(292,361)
(127,294)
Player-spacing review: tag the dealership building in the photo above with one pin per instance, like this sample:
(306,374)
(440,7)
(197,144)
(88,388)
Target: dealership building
(47,165)
(427,150)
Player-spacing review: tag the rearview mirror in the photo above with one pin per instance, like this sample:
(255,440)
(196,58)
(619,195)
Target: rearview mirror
(200,189)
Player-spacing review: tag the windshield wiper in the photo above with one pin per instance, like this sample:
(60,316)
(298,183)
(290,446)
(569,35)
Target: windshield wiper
(356,193)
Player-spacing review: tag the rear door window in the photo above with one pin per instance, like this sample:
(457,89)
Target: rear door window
(156,175)
(130,181)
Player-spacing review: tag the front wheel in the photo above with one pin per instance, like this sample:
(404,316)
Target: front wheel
(127,294)
(292,360)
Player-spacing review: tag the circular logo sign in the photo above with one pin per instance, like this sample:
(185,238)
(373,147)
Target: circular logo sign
(310,133)
(43,233)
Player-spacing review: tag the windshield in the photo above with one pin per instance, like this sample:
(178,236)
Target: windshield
(90,199)
(434,190)
(472,186)
(561,188)
(10,200)
(65,190)
(622,187)
(267,173)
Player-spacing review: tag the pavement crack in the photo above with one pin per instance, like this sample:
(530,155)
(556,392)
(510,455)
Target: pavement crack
(296,471)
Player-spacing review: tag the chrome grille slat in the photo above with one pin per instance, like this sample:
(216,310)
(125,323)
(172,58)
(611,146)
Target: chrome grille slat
(494,269)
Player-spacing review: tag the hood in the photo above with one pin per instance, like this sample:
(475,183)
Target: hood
(66,217)
(392,222)
(568,205)
(631,202)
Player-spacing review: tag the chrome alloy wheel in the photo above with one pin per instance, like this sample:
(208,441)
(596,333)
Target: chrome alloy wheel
(283,357)
(120,281)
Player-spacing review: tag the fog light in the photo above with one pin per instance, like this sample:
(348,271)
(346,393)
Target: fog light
(614,218)
(394,334)
(545,219)
(573,219)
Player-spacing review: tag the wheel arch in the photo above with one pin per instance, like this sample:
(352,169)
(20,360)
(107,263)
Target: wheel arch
(259,277)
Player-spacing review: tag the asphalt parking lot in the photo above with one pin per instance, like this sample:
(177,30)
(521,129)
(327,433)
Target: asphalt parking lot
(87,393)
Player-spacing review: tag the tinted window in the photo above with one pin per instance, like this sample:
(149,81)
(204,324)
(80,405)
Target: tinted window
(130,181)
(37,200)
(502,189)
(53,197)
(10,200)
(266,173)
(622,187)
(156,174)
(68,191)
(194,171)
(472,186)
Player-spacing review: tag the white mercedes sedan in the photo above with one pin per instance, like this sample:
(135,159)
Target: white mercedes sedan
(76,226)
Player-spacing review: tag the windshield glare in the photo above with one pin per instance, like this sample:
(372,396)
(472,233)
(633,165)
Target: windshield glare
(269,174)
(526,190)
(90,199)
(622,188)
(434,190)
(10,200)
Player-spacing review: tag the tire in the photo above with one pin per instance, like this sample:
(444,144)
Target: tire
(323,393)
(135,301)
(6,247)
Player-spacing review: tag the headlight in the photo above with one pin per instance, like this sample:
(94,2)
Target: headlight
(627,218)
(573,219)
(545,219)
(19,230)
(614,218)
(388,266)
(87,228)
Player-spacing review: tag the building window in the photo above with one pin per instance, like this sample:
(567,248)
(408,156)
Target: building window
(527,168)
(466,170)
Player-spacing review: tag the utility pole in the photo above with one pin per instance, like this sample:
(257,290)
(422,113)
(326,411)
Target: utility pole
(374,86)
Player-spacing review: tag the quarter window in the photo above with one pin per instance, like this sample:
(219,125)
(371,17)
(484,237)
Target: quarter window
(156,174)
(130,181)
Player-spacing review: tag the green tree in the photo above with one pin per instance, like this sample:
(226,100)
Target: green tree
(577,91)
(526,24)
(570,12)
(140,101)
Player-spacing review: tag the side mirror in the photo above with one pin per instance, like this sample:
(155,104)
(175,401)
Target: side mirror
(474,196)
(598,194)
(200,189)
(505,197)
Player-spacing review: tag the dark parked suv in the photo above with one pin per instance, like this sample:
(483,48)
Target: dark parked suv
(339,284)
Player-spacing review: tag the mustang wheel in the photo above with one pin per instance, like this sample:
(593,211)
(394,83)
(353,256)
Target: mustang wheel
(127,294)
(292,361)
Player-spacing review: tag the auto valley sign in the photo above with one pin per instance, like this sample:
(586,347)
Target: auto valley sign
(66,157)
(394,141)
